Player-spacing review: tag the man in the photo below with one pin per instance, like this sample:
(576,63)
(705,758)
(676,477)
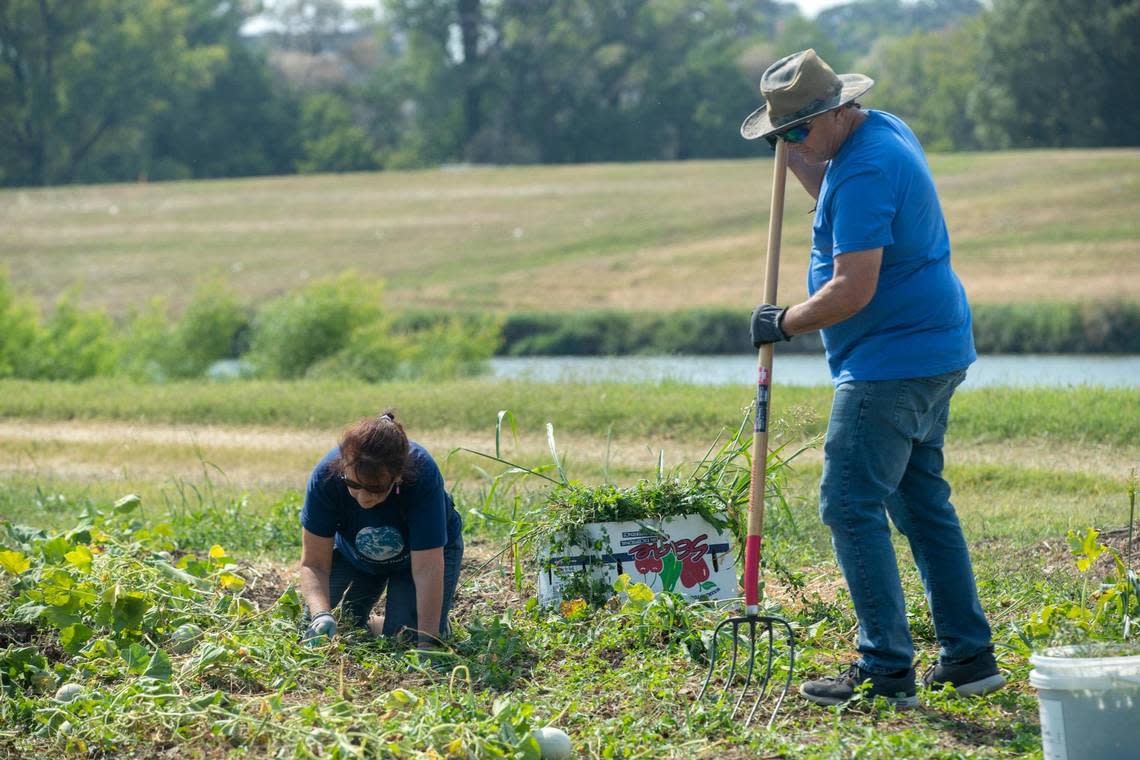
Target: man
(897,331)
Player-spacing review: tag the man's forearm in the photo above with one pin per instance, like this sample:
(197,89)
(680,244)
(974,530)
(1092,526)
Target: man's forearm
(850,289)
(830,305)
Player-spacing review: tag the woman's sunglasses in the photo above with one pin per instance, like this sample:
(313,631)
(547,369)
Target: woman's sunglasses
(375,490)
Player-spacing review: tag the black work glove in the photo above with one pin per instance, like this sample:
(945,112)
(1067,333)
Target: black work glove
(767,325)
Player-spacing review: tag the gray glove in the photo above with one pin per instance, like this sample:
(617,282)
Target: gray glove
(320,630)
(767,325)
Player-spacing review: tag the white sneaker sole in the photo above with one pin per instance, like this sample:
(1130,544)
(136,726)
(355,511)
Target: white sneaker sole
(982,687)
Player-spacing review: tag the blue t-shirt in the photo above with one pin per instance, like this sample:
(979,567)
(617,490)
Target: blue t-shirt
(379,540)
(878,191)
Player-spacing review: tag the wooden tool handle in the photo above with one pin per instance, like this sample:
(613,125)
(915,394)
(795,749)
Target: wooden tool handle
(763,393)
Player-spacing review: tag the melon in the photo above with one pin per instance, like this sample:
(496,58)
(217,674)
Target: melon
(185,638)
(553,742)
(68,692)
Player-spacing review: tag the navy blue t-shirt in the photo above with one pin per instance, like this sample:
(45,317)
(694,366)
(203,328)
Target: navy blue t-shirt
(878,192)
(379,540)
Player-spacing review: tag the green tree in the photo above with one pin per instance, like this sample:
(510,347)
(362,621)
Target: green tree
(926,79)
(590,81)
(854,27)
(799,33)
(1059,73)
(424,90)
(331,139)
(79,81)
(244,123)
(573,80)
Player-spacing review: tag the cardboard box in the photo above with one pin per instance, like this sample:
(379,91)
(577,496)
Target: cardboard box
(686,555)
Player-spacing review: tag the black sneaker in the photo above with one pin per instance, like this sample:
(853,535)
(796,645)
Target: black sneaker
(897,689)
(974,677)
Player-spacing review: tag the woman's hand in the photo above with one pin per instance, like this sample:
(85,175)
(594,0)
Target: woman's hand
(320,630)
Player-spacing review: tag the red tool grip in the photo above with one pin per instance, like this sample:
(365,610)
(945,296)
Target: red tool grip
(752,571)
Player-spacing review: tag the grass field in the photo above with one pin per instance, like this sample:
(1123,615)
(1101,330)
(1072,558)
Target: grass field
(1035,462)
(1026,226)
(223,464)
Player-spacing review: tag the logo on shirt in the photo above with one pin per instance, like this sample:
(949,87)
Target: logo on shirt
(380,544)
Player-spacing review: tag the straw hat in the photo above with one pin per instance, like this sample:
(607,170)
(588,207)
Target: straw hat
(798,87)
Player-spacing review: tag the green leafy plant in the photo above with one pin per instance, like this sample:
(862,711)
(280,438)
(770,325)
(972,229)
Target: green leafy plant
(1103,613)
(716,488)
(137,639)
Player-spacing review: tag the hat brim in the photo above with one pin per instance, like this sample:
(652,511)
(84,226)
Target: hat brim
(758,124)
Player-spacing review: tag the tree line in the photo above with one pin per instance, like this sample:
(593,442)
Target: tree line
(112,90)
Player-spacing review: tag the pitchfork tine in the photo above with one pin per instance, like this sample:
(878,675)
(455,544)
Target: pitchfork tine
(763,686)
(768,673)
(751,664)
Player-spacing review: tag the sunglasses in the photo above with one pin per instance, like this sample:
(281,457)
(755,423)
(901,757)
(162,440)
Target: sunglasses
(796,134)
(375,490)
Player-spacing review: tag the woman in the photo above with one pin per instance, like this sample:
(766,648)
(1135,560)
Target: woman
(376,517)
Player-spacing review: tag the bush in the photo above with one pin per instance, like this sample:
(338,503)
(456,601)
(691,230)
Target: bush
(415,347)
(19,330)
(153,349)
(74,344)
(143,342)
(454,348)
(334,328)
(208,331)
(374,353)
(700,331)
(298,330)
(1111,328)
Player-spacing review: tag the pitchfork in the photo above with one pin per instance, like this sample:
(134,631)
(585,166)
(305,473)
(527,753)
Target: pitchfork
(759,626)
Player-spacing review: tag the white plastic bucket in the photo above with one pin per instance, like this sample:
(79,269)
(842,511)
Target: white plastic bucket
(1090,702)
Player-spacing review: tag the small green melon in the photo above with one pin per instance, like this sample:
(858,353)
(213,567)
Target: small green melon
(68,692)
(185,638)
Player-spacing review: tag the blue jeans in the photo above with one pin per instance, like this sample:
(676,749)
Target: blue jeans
(883,455)
(357,592)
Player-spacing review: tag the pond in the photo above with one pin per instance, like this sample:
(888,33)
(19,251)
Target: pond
(811,369)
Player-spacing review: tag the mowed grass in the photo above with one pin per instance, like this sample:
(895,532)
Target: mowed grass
(1025,463)
(1066,415)
(1026,226)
